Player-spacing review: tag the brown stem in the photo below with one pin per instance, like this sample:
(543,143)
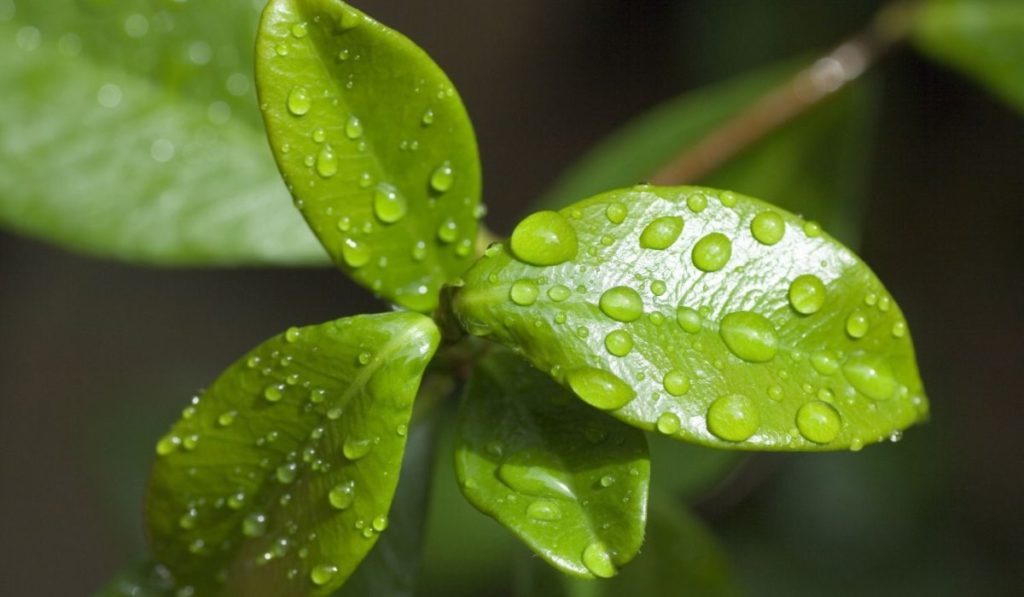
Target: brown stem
(809,87)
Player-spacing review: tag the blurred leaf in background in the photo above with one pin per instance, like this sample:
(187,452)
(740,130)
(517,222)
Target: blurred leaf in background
(134,133)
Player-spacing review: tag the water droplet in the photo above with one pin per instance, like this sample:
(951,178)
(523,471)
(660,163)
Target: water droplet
(607,481)
(299,30)
(618,343)
(899,329)
(544,510)
(355,448)
(807,294)
(884,303)
(857,324)
(419,251)
(676,382)
(379,523)
(273,392)
(326,162)
(598,561)
(428,118)
(342,495)
(323,574)
(292,334)
(733,418)
(236,500)
(668,423)
(768,228)
(299,102)
(622,303)
(825,362)
(168,444)
(448,231)
(188,519)
(812,229)
(712,252)
(281,49)
(389,205)
(524,292)
(353,127)
(749,336)
(661,233)
(819,422)
(776,393)
(697,202)
(870,376)
(535,473)
(286,472)
(254,525)
(544,238)
(355,253)
(559,293)
(616,212)
(442,178)
(600,389)
(688,319)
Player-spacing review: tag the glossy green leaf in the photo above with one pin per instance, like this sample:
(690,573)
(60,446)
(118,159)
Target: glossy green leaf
(374,144)
(278,479)
(130,130)
(567,480)
(813,166)
(984,39)
(753,329)
(680,557)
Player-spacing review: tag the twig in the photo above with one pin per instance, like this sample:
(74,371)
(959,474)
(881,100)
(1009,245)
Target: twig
(780,105)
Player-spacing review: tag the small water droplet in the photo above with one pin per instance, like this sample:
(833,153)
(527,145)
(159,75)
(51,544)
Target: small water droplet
(616,212)
(825,362)
(442,178)
(618,343)
(299,102)
(749,336)
(658,287)
(448,231)
(524,292)
(355,448)
(323,574)
(389,205)
(273,392)
(899,329)
(768,228)
(299,30)
(668,423)
(812,229)
(342,495)
(286,472)
(807,294)
(544,238)
(598,561)
(857,325)
(326,162)
(712,252)
(544,510)
(355,253)
(559,293)
(353,127)
(254,525)
(599,388)
(734,418)
(419,251)
(776,393)
(622,303)
(661,233)
(689,319)
(819,422)
(697,202)
(870,376)
(676,382)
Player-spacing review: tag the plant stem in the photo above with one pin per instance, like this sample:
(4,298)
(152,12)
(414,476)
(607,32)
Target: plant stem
(780,105)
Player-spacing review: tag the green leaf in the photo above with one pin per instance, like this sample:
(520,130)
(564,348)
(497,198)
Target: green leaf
(566,479)
(391,567)
(131,131)
(374,144)
(751,329)
(143,579)
(680,557)
(279,477)
(814,165)
(984,39)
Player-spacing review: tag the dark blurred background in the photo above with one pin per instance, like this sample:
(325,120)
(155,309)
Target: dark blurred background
(97,358)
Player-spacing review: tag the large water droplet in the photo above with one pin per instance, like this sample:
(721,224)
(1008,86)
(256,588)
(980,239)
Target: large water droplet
(355,448)
(442,178)
(661,233)
(807,294)
(389,205)
(599,388)
(524,292)
(616,212)
(819,422)
(688,319)
(768,227)
(353,127)
(322,574)
(326,162)
(870,376)
(749,336)
(697,203)
(535,473)
(355,253)
(825,362)
(733,418)
(618,342)
(342,495)
(598,561)
(622,303)
(298,101)
(544,238)
(676,382)
(544,510)
(559,293)
(712,252)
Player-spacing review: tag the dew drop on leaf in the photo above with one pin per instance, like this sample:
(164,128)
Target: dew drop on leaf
(599,388)
(442,178)
(661,233)
(870,376)
(322,574)
(524,292)
(355,253)
(676,382)
(389,205)
(768,228)
(668,423)
(622,303)
(254,525)
(697,202)
(353,127)
(857,324)
(618,343)
(298,101)
(712,252)
(598,561)
(273,392)
(326,162)
(342,495)
(448,231)
(544,510)
(819,422)
(688,319)
(544,238)
(749,336)
(616,212)
(807,294)
(733,418)
(559,293)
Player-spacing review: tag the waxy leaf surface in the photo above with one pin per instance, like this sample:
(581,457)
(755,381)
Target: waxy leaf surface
(984,39)
(279,477)
(374,144)
(130,130)
(709,316)
(570,481)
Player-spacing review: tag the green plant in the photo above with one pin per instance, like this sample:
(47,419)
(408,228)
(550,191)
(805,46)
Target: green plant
(698,314)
